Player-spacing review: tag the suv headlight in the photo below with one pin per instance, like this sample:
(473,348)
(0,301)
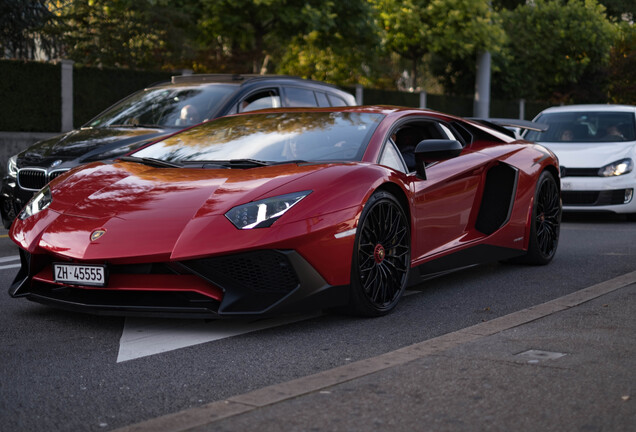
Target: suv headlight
(39,202)
(263,213)
(12,166)
(617,168)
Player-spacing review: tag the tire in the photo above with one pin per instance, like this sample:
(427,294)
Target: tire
(546,222)
(381,257)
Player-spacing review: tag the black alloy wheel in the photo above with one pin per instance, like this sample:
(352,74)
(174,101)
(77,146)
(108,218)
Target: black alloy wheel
(546,221)
(381,256)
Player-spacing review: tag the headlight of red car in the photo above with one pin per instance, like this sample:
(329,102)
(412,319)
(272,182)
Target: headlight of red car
(263,213)
(39,202)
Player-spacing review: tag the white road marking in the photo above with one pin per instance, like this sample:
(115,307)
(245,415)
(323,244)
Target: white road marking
(10,258)
(144,336)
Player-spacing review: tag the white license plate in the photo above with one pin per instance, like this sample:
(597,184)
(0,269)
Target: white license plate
(80,274)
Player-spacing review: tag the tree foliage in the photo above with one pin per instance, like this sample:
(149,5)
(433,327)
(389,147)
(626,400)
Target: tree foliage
(541,49)
(622,70)
(556,45)
(22,25)
(458,28)
(620,10)
(151,34)
(293,36)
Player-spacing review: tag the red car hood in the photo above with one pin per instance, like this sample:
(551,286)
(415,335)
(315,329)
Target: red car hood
(145,211)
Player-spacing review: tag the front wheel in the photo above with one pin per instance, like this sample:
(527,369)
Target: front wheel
(546,222)
(381,256)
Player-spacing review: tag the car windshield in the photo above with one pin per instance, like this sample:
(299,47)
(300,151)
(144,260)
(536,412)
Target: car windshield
(585,127)
(165,107)
(270,138)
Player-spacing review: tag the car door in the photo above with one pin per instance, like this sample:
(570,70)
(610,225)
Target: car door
(445,200)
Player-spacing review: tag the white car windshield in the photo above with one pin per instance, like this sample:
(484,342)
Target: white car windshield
(270,138)
(585,127)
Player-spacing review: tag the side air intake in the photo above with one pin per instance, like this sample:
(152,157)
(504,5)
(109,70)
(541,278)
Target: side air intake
(496,203)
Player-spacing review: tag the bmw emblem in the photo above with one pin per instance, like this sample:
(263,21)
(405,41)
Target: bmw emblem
(56,163)
(97,234)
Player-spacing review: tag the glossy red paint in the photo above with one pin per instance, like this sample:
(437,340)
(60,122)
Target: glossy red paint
(177,215)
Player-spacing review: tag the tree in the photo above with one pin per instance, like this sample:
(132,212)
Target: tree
(554,45)
(259,35)
(457,28)
(339,45)
(144,34)
(622,64)
(620,10)
(21,25)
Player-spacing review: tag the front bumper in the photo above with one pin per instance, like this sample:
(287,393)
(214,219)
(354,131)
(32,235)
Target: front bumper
(12,199)
(10,204)
(607,194)
(257,283)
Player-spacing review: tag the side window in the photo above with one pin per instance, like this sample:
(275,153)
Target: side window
(462,134)
(448,132)
(336,101)
(409,135)
(261,100)
(391,158)
(299,97)
(322,99)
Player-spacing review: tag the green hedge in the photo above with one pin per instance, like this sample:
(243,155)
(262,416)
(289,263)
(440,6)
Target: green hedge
(97,89)
(456,105)
(31,100)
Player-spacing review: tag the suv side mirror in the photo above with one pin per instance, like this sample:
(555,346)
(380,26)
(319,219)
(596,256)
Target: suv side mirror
(434,150)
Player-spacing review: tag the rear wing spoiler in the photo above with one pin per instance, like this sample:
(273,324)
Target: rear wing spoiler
(503,125)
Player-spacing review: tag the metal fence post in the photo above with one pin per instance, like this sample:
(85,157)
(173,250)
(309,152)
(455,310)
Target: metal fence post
(67,94)
(422,99)
(522,109)
(359,91)
(481,105)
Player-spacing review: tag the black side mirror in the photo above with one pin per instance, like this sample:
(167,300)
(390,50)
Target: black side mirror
(434,150)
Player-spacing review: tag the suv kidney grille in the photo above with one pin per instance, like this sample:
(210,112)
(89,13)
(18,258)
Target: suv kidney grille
(35,179)
(32,179)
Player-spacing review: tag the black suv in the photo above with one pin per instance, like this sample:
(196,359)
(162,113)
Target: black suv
(150,114)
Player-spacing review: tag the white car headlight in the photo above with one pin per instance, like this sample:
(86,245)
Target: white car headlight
(12,166)
(39,202)
(617,168)
(263,213)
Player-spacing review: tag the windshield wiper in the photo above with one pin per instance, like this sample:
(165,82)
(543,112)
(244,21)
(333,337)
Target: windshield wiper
(248,163)
(151,161)
(135,125)
(294,161)
(245,163)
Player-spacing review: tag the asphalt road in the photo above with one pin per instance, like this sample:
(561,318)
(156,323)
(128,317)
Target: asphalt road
(64,371)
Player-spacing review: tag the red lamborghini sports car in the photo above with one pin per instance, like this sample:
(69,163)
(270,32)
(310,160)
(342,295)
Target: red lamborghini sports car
(287,210)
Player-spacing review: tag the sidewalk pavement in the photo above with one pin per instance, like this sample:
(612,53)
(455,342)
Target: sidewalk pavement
(565,365)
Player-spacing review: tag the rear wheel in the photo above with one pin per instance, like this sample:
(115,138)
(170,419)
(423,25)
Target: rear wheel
(546,222)
(381,256)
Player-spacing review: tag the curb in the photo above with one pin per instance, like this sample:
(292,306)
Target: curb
(215,411)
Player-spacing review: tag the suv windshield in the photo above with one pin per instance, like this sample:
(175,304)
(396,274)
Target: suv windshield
(602,126)
(165,107)
(270,138)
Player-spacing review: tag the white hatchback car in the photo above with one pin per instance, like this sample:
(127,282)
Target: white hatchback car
(596,147)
